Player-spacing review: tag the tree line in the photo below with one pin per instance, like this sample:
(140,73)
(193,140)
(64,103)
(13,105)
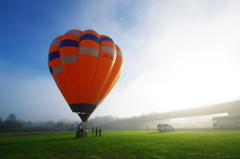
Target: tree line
(11,122)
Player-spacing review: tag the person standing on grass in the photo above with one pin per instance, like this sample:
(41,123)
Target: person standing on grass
(86,131)
(96,132)
(100,131)
(92,131)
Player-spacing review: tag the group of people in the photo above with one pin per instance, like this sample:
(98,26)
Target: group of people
(98,131)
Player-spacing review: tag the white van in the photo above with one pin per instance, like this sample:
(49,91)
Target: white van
(165,127)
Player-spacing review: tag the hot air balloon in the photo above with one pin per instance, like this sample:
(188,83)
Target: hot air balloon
(85,67)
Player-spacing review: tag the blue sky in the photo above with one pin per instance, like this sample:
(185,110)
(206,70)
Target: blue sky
(178,54)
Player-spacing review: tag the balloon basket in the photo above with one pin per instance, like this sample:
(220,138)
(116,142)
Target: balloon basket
(80,134)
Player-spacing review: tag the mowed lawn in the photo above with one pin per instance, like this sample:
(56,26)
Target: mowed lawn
(122,145)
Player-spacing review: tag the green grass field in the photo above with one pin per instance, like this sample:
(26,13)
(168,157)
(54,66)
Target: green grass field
(122,145)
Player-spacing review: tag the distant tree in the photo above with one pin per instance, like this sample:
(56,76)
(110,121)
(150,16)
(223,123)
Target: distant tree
(91,123)
(98,121)
(12,117)
(1,122)
(50,124)
(11,122)
(117,118)
(30,124)
(27,124)
(60,124)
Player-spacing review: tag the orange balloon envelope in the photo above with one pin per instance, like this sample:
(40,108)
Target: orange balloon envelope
(85,67)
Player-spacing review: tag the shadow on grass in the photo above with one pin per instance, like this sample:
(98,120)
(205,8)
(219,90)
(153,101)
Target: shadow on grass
(50,140)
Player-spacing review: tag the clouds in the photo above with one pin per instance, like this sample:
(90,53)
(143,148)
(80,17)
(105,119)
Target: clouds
(177,54)
(185,56)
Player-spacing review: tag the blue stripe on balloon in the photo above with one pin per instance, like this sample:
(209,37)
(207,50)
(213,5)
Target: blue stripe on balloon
(68,42)
(53,55)
(106,39)
(51,70)
(90,37)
